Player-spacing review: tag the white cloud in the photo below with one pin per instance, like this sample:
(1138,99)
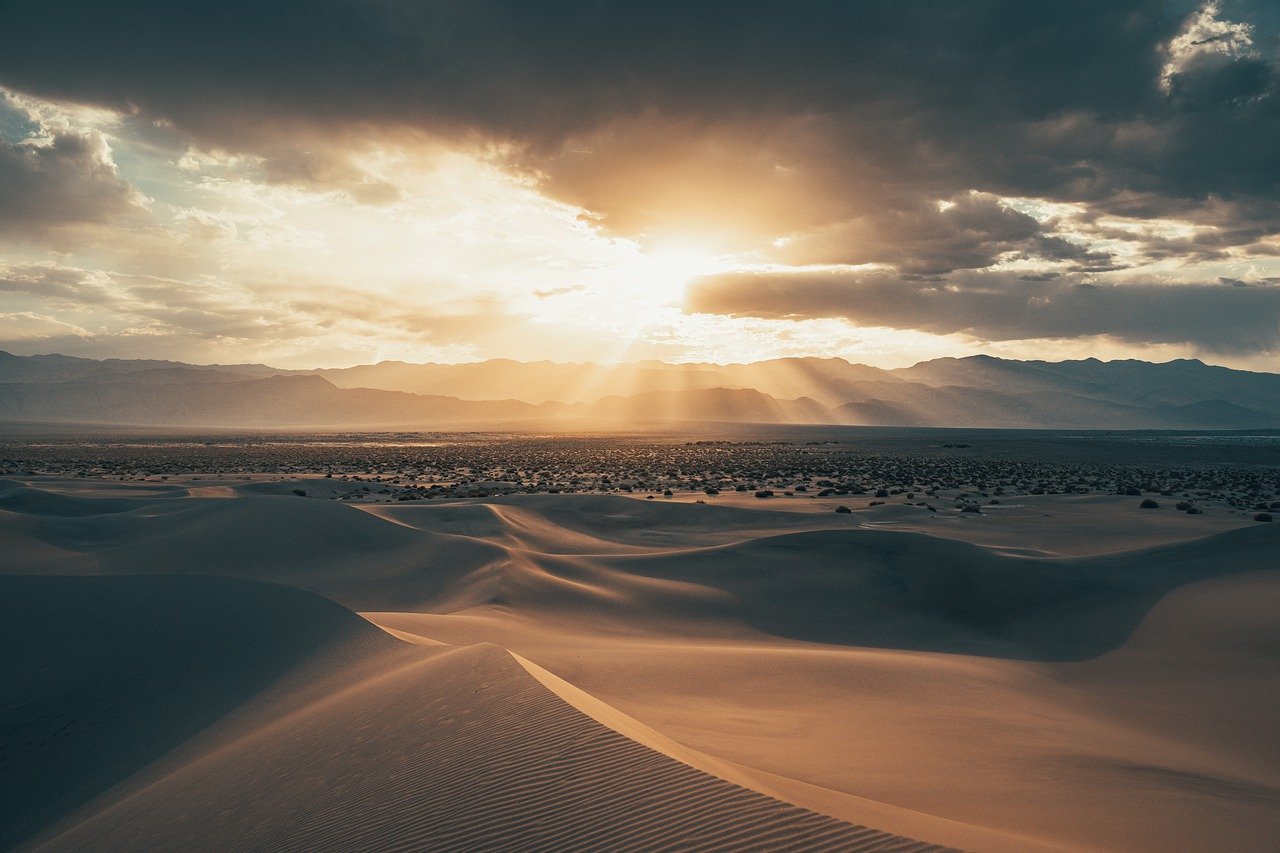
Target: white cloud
(1205,34)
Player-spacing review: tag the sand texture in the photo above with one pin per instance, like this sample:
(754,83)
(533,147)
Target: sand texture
(225,665)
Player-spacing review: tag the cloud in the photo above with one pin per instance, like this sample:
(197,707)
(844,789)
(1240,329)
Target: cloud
(1002,163)
(115,314)
(972,231)
(552,292)
(26,326)
(1219,317)
(66,180)
(741,121)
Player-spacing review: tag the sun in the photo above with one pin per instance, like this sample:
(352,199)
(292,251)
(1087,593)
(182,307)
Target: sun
(663,272)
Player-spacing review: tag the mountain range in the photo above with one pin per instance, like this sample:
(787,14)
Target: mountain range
(977,391)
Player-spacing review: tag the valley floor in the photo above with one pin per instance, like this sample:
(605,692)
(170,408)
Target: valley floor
(221,663)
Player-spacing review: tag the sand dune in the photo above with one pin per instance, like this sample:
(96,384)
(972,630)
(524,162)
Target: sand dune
(684,673)
(104,674)
(1150,747)
(381,745)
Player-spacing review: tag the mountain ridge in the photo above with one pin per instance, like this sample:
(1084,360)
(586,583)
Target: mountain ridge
(974,391)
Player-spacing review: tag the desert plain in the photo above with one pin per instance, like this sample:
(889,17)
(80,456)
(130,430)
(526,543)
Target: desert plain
(839,639)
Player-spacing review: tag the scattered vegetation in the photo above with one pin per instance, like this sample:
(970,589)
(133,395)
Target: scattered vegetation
(425,466)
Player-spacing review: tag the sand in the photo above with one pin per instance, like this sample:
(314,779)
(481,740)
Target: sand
(607,672)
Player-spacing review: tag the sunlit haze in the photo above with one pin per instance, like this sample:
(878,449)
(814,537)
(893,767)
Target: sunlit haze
(765,192)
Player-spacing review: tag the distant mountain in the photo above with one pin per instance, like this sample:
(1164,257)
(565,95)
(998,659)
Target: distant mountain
(65,368)
(276,401)
(190,398)
(739,405)
(1136,383)
(827,380)
(979,391)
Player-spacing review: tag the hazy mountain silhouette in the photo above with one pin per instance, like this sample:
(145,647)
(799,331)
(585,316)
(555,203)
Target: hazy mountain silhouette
(979,391)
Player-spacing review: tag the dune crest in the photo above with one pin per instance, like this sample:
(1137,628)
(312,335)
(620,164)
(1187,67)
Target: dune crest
(723,675)
(395,747)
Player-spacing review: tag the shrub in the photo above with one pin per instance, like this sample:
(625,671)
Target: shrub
(302,493)
(843,508)
(1182,506)
(1263,516)
(764,493)
(1149,504)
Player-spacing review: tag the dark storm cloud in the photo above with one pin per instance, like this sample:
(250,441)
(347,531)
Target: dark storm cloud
(745,121)
(546,70)
(1223,317)
(64,182)
(970,232)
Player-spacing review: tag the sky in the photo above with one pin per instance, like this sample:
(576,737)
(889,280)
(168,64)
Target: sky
(321,184)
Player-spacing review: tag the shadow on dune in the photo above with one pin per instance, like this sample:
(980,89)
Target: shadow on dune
(173,713)
(18,498)
(102,675)
(639,566)
(916,592)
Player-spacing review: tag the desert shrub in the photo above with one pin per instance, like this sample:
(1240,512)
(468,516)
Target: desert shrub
(1149,504)
(1182,506)
(302,493)
(764,493)
(1263,516)
(845,509)
(1194,510)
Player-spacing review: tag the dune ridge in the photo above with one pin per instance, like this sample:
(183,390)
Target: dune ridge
(641,566)
(382,745)
(104,674)
(824,664)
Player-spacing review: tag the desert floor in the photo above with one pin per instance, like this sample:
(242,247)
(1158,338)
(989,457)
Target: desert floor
(220,663)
